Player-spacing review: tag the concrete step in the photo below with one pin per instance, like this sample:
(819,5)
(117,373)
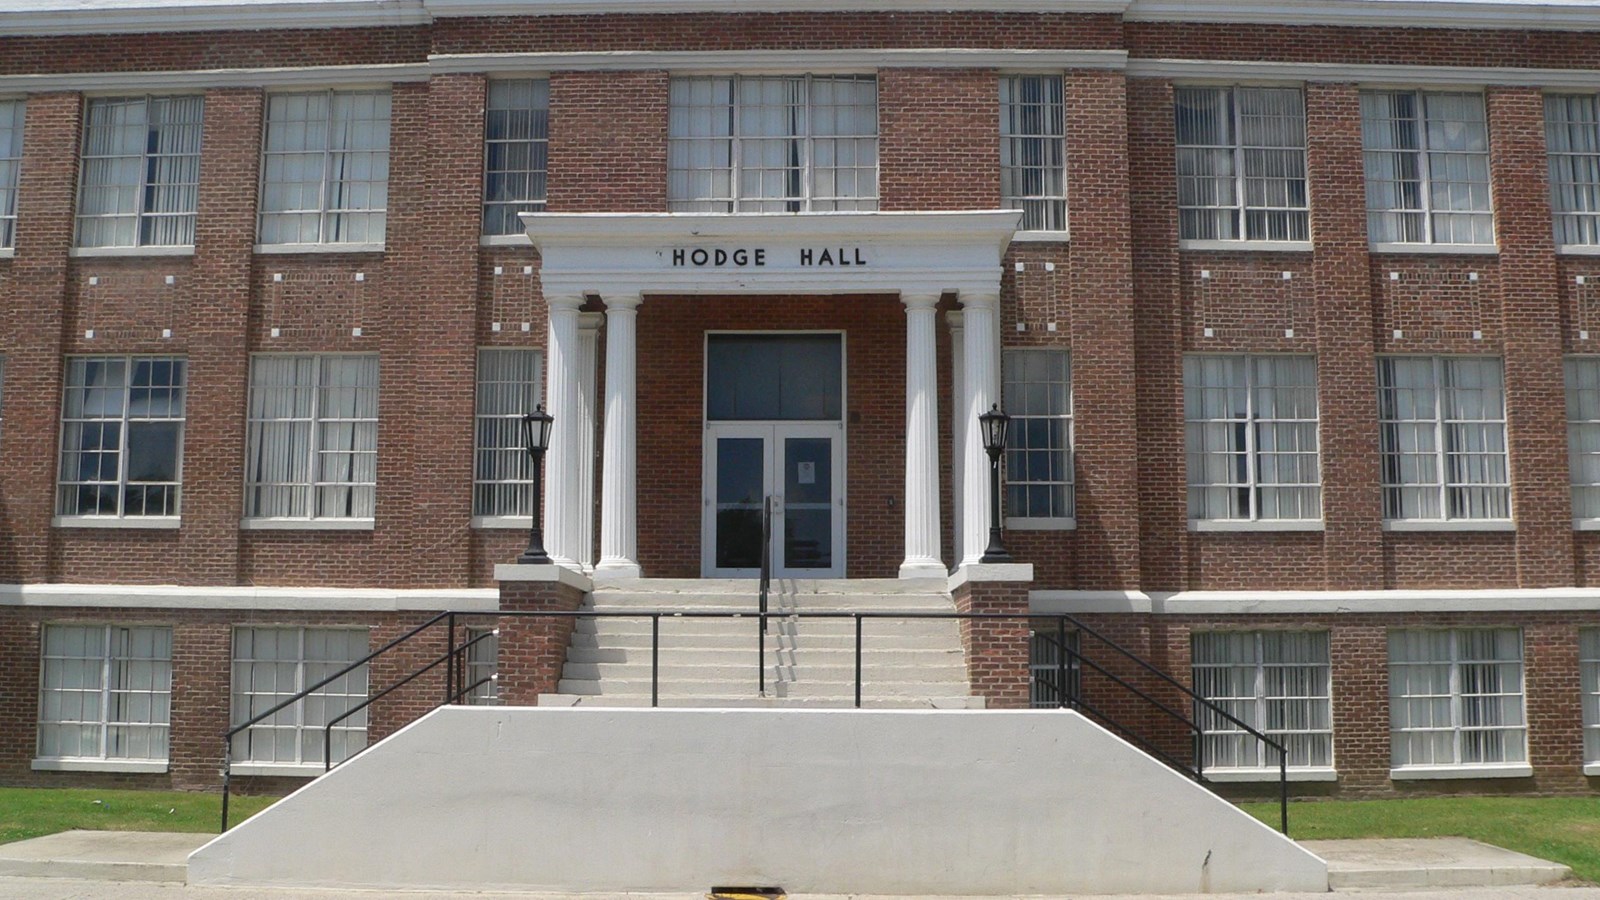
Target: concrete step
(750,605)
(796,587)
(931,655)
(640,687)
(783,671)
(743,700)
(103,856)
(881,629)
(1418,863)
(870,642)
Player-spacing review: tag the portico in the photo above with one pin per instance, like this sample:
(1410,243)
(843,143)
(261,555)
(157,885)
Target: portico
(626,259)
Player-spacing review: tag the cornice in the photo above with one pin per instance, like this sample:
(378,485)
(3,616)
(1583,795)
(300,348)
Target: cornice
(1407,75)
(201,79)
(756,61)
(461,8)
(1519,15)
(197,15)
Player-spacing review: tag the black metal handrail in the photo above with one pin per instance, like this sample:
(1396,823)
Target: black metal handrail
(455,654)
(764,585)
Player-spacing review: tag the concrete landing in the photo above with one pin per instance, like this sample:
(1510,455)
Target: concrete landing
(103,855)
(1447,862)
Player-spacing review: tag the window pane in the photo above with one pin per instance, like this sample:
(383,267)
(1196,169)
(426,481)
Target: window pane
(1037,393)
(508,387)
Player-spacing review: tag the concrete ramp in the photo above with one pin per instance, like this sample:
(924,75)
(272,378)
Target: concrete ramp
(813,801)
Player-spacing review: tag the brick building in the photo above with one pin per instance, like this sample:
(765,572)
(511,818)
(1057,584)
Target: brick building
(1289,304)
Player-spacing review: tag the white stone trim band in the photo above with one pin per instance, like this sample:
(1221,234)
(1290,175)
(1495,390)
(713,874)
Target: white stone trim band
(752,62)
(248,599)
(1370,74)
(201,79)
(1510,601)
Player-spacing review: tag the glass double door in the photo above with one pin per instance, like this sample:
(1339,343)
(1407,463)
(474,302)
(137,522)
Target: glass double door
(800,467)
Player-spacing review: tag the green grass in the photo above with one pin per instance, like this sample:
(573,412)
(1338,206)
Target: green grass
(31,812)
(1564,829)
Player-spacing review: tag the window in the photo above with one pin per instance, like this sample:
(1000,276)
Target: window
(1455,697)
(325,170)
(516,152)
(1037,392)
(121,436)
(1033,151)
(1045,670)
(1242,164)
(1277,682)
(1583,434)
(773,144)
(1589,666)
(1251,424)
(483,662)
(1572,137)
(313,437)
(270,665)
(141,172)
(105,692)
(508,387)
(1427,168)
(11,112)
(1442,436)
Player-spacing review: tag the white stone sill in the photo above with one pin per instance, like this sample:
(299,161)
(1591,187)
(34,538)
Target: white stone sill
(1591,768)
(8,252)
(519,239)
(287,249)
(287,770)
(1438,249)
(1041,237)
(1449,525)
(503,523)
(1578,249)
(93,252)
(166,523)
(1270,774)
(1019,524)
(123,766)
(306,524)
(989,572)
(1450,773)
(1261,525)
(1247,246)
(1586,524)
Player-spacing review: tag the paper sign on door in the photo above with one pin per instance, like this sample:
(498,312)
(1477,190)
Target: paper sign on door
(806,472)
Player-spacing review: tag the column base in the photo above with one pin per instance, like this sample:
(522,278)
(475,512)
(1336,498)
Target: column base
(617,570)
(923,569)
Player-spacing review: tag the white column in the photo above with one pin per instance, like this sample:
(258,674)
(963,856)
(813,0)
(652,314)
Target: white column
(588,356)
(563,489)
(922,439)
(958,428)
(981,341)
(619,500)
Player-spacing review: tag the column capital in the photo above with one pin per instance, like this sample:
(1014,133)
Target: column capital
(626,300)
(954,320)
(980,299)
(564,301)
(921,299)
(590,321)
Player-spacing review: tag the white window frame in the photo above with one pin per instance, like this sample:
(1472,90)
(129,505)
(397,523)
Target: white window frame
(494,418)
(1424,160)
(312,483)
(1253,709)
(680,178)
(125,422)
(483,662)
(1573,146)
(350,736)
(1589,673)
(13,117)
(1245,175)
(1021,414)
(164,174)
(537,147)
(1033,152)
(329,215)
(116,664)
(1251,485)
(1583,438)
(1450,493)
(1457,726)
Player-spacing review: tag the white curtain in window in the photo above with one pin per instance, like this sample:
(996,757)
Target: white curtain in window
(11,119)
(278,461)
(1572,138)
(347,450)
(1589,665)
(1583,434)
(508,387)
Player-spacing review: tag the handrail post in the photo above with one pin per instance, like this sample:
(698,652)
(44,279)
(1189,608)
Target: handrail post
(655,659)
(1283,790)
(450,667)
(327,745)
(858,660)
(1061,662)
(227,778)
(761,652)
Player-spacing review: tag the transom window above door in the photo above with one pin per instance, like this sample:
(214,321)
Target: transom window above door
(798,143)
(776,377)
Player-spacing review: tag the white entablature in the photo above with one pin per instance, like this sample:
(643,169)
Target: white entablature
(630,254)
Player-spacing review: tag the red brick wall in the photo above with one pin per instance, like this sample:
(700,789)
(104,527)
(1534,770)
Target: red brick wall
(608,142)
(938,139)
(997,649)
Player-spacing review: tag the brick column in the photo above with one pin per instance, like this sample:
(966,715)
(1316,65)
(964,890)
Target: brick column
(997,649)
(1103,343)
(1347,379)
(1152,197)
(534,650)
(608,142)
(1360,655)
(1536,421)
(31,322)
(19,693)
(938,143)
(216,336)
(1554,704)
(202,654)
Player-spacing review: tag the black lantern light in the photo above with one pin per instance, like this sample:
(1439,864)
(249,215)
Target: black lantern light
(536,438)
(994,424)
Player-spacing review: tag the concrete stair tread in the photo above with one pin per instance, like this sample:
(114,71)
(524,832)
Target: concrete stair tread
(1411,863)
(749,700)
